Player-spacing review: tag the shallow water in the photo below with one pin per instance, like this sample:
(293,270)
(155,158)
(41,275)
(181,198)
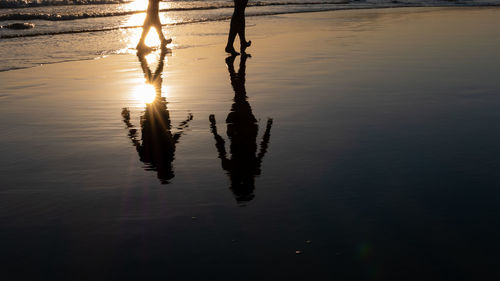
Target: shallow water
(381,162)
(77,32)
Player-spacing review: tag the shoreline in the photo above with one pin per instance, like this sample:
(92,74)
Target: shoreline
(250,19)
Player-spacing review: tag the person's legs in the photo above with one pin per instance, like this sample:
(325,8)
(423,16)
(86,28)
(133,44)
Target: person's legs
(240,6)
(157,26)
(145,31)
(233,30)
(152,21)
(243,42)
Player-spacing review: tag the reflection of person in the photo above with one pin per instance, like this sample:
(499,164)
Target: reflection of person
(158,143)
(237,27)
(152,20)
(242,130)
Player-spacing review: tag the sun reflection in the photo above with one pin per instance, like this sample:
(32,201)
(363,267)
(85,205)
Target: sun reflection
(150,88)
(144,94)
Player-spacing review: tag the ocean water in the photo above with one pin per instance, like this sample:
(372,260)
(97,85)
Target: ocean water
(88,29)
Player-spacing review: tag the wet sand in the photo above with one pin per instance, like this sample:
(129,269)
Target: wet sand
(381,162)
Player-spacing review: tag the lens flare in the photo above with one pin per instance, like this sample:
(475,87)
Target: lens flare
(144,93)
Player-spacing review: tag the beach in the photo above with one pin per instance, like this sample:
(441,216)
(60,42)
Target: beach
(374,154)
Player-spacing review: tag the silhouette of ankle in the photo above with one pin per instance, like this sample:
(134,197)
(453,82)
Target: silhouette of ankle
(231,50)
(244,45)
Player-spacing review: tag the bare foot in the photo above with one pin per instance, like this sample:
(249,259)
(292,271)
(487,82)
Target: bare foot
(143,49)
(230,62)
(245,45)
(244,56)
(231,50)
(165,41)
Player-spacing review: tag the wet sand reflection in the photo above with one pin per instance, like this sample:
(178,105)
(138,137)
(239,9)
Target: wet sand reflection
(242,129)
(156,148)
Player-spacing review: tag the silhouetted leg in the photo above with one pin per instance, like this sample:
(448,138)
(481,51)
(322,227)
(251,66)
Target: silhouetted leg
(232,35)
(243,63)
(240,6)
(237,27)
(145,31)
(230,65)
(243,43)
(144,64)
(157,26)
(164,41)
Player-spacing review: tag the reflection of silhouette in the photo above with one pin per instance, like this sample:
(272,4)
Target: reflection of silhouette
(152,20)
(158,143)
(242,130)
(237,27)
